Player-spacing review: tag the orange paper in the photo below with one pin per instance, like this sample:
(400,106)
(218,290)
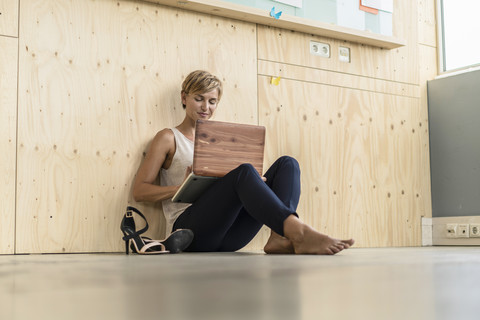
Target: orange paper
(368,9)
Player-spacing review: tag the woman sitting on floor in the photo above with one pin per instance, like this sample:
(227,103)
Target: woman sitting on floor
(232,211)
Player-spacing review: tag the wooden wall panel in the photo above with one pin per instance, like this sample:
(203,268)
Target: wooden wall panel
(8,129)
(359,129)
(427,27)
(97,80)
(289,47)
(362,157)
(9,18)
(428,70)
(293,72)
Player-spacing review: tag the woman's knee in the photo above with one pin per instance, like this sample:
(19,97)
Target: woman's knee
(245,172)
(289,161)
(246,167)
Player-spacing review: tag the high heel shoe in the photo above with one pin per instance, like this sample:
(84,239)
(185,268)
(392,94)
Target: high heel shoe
(131,236)
(176,242)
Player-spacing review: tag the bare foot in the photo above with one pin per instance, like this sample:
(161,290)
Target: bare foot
(277,244)
(306,240)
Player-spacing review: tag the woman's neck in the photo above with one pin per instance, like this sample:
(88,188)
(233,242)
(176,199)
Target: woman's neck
(187,128)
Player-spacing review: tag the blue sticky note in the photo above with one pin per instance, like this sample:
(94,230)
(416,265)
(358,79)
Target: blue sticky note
(275,15)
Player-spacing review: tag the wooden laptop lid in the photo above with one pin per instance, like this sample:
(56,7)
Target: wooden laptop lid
(220,147)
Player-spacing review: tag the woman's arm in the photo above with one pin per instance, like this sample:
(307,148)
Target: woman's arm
(159,154)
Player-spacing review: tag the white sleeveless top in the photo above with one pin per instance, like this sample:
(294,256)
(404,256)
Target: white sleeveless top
(174,175)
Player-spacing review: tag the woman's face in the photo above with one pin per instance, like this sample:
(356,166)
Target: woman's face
(200,105)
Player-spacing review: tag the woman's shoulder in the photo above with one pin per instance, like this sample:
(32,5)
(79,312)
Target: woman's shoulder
(164,137)
(165,133)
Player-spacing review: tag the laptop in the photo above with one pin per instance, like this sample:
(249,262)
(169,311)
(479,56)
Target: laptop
(220,147)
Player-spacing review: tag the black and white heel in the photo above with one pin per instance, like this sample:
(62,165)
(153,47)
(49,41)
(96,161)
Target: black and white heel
(132,237)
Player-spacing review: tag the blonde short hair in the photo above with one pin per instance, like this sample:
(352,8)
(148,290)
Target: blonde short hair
(201,81)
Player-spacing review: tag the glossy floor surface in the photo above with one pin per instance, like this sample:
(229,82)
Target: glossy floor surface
(397,283)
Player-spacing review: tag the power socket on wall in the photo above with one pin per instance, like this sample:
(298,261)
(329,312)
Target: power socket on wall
(451,230)
(474,230)
(462,230)
(456,230)
(344,54)
(320,49)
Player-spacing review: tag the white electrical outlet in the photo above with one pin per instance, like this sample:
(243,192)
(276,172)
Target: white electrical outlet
(344,54)
(451,230)
(474,230)
(455,231)
(320,49)
(463,231)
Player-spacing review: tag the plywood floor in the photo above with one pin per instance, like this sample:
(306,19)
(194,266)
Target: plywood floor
(398,283)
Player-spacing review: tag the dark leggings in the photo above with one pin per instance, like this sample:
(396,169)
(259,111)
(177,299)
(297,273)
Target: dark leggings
(233,209)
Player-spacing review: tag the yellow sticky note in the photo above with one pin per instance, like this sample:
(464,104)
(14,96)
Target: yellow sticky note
(275,81)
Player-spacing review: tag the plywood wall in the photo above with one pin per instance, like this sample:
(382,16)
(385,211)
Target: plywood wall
(8,128)
(359,130)
(98,78)
(362,163)
(8,121)
(9,18)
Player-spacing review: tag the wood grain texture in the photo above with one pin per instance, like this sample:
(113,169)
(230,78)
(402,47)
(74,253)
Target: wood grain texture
(222,146)
(428,71)
(97,80)
(9,18)
(427,26)
(278,45)
(362,163)
(8,128)
(359,129)
(338,79)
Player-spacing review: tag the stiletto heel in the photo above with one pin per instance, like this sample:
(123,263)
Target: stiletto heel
(131,236)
